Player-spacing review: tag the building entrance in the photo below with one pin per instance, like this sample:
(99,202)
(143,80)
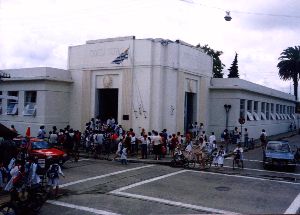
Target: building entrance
(108,103)
(189,109)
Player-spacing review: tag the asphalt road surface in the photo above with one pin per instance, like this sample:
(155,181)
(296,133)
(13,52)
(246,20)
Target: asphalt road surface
(107,187)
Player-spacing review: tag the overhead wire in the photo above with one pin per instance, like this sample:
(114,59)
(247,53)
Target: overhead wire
(241,12)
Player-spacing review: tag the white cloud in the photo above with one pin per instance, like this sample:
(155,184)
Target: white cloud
(38,32)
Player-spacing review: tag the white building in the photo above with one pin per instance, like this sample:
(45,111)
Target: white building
(261,107)
(162,84)
(34,97)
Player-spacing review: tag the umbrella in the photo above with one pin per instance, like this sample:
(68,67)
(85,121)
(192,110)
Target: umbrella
(6,133)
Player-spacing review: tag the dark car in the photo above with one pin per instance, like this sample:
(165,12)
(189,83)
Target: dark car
(279,154)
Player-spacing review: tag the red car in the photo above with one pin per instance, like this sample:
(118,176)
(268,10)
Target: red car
(44,151)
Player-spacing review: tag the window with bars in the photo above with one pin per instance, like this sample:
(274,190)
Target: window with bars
(242,108)
(263,111)
(30,103)
(249,111)
(268,111)
(12,103)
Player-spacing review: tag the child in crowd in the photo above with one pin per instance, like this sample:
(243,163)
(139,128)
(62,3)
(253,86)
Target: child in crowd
(53,177)
(219,159)
(120,148)
(124,156)
(3,173)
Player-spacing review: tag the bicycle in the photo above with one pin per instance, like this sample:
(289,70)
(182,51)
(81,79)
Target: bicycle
(8,209)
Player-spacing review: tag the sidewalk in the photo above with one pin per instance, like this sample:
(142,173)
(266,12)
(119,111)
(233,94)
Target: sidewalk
(167,159)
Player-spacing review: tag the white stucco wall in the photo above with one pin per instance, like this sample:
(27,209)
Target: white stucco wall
(230,91)
(52,101)
(152,82)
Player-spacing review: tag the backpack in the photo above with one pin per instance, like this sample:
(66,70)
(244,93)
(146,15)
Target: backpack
(53,171)
(262,137)
(238,155)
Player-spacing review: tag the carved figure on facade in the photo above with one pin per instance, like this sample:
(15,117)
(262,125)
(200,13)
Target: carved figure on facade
(107,81)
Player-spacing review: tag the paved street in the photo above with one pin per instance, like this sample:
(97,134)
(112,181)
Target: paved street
(106,187)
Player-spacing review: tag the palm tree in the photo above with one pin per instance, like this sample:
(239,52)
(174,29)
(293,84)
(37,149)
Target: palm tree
(289,66)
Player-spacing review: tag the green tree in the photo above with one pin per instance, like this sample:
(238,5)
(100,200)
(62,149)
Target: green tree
(217,63)
(289,66)
(234,69)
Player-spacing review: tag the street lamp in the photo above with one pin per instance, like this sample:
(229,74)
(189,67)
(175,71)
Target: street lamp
(227,109)
(227,17)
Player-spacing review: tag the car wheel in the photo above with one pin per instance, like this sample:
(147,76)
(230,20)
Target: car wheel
(173,163)
(264,165)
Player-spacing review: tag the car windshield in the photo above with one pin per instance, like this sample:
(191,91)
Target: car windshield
(40,145)
(278,147)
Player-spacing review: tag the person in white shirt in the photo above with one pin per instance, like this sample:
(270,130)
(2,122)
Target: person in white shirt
(189,147)
(145,142)
(212,137)
(14,172)
(156,141)
(133,148)
(219,159)
(53,137)
(120,148)
(239,150)
(53,177)
(124,156)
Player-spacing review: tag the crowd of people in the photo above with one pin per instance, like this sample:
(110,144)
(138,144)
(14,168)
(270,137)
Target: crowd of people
(22,174)
(108,137)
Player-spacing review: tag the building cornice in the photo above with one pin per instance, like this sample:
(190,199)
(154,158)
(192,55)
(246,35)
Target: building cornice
(243,85)
(16,79)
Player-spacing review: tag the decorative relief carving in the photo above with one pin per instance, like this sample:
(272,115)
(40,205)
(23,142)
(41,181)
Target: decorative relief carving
(172,109)
(107,81)
(97,52)
(191,85)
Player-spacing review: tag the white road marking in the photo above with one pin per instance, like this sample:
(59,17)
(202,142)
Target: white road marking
(242,176)
(103,176)
(72,161)
(84,159)
(231,158)
(148,181)
(294,207)
(83,208)
(262,170)
(165,201)
(259,161)
(173,203)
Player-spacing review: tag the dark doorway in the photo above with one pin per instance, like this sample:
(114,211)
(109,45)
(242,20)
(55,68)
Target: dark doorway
(189,110)
(108,103)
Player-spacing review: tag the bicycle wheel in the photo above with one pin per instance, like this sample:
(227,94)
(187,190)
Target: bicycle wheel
(208,163)
(173,163)
(37,203)
(191,164)
(7,209)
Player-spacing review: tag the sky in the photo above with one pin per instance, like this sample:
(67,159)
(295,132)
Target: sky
(37,33)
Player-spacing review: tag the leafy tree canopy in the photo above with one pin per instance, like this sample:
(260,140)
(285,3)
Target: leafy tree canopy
(289,66)
(217,63)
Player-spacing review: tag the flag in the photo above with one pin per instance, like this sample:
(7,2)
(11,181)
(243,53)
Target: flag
(121,57)
(28,132)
